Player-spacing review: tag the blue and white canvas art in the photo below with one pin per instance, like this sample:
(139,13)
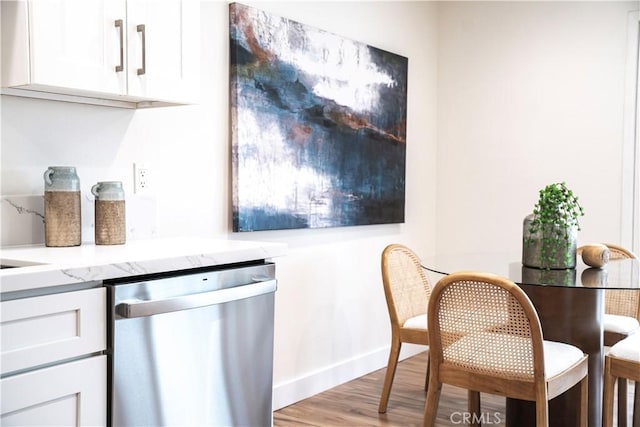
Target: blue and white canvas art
(318,127)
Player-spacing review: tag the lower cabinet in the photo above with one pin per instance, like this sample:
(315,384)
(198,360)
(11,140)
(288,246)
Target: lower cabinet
(70,394)
(54,371)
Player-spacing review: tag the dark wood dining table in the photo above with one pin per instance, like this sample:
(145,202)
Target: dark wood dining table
(570,305)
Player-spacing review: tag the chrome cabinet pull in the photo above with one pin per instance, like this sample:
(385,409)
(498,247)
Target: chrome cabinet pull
(143,70)
(118,24)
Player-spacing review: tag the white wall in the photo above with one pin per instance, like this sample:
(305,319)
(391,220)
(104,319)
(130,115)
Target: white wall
(503,99)
(331,319)
(529,93)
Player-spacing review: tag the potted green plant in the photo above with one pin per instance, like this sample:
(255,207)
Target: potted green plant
(550,233)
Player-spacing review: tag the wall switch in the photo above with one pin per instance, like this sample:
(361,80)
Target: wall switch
(141,178)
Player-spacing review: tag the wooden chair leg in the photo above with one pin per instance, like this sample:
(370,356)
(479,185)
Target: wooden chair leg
(622,402)
(607,395)
(431,405)
(426,377)
(542,412)
(473,406)
(394,354)
(583,418)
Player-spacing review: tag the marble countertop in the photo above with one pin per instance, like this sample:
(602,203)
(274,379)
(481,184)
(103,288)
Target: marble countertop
(42,266)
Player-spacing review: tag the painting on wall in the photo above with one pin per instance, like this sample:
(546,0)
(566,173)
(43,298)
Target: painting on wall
(318,127)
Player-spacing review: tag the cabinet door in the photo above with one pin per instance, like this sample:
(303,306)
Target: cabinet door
(75,44)
(71,394)
(163,49)
(44,329)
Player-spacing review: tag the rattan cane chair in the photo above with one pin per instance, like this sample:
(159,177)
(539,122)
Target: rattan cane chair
(621,318)
(622,307)
(485,336)
(620,364)
(407,290)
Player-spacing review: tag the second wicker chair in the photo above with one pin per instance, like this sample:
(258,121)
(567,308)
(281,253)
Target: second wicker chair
(406,289)
(621,319)
(485,336)
(621,363)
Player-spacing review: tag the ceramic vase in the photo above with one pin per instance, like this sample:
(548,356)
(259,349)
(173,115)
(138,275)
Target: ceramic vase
(62,219)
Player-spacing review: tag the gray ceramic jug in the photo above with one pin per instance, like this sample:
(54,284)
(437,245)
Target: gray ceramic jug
(110,228)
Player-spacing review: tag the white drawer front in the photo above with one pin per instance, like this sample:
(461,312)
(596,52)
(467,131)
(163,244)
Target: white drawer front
(48,328)
(70,394)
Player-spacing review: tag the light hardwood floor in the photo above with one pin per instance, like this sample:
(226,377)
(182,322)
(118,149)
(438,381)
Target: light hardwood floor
(356,403)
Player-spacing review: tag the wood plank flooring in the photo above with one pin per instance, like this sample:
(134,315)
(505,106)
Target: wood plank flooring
(356,403)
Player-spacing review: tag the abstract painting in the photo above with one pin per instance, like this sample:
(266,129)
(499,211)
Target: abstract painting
(318,127)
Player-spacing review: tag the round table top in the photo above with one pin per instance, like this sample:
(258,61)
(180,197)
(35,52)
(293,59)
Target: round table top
(617,274)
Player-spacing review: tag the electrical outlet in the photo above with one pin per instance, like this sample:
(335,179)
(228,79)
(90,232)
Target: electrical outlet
(141,178)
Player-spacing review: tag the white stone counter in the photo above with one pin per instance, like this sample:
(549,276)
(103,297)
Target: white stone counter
(45,266)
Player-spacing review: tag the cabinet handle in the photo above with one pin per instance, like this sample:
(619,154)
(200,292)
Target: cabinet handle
(143,308)
(143,70)
(121,66)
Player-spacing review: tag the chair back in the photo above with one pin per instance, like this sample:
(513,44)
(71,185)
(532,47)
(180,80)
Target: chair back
(406,286)
(618,252)
(485,324)
(621,302)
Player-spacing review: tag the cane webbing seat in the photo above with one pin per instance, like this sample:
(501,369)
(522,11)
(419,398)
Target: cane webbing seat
(497,347)
(621,363)
(406,289)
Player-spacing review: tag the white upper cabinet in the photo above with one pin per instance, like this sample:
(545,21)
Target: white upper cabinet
(72,45)
(163,48)
(128,53)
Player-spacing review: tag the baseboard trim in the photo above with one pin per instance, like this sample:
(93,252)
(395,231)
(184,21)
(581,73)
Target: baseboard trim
(289,392)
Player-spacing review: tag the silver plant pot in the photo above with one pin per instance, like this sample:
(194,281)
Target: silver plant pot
(539,276)
(533,247)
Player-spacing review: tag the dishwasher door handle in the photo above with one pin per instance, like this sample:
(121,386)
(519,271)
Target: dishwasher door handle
(143,308)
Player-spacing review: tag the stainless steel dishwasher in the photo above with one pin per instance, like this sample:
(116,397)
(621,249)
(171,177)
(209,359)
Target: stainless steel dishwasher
(193,349)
